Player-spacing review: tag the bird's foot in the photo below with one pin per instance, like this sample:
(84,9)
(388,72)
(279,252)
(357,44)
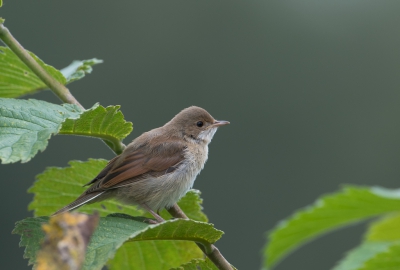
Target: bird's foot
(155,215)
(150,221)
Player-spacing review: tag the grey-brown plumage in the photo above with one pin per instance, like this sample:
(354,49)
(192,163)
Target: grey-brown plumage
(157,168)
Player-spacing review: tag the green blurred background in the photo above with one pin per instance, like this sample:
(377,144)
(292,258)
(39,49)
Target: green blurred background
(312,90)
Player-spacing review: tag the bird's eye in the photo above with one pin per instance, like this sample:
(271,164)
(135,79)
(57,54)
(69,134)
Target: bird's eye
(199,124)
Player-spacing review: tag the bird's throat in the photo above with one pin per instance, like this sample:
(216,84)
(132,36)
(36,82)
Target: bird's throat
(207,135)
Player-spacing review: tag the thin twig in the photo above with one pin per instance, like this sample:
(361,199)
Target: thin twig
(59,89)
(55,86)
(212,252)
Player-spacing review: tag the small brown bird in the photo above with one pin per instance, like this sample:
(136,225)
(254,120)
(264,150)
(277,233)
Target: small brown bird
(156,169)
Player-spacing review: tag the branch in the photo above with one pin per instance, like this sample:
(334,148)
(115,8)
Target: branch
(60,90)
(55,86)
(211,251)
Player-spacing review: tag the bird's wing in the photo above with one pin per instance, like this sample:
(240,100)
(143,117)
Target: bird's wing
(128,167)
(160,158)
(103,172)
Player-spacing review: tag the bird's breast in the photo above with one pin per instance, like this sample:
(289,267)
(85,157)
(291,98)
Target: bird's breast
(196,156)
(182,179)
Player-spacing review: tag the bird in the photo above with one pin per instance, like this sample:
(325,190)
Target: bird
(157,168)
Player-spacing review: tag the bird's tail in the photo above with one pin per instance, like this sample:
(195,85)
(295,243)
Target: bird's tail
(84,198)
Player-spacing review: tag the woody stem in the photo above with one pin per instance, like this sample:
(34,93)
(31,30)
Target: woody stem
(211,251)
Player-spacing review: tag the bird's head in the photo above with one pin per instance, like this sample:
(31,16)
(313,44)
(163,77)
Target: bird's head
(196,124)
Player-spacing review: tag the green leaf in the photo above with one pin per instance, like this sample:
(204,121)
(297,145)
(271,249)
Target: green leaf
(177,229)
(161,256)
(57,187)
(105,123)
(1,3)
(197,264)
(154,255)
(16,79)
(111,233)
(78,69)
(331,212)
(388,260)
(27,125)
(31,236)
(114,230)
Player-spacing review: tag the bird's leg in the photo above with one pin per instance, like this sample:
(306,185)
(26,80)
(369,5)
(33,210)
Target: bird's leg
(155,215)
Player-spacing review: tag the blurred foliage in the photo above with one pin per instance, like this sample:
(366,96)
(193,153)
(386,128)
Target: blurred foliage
(65,242)
(330,212)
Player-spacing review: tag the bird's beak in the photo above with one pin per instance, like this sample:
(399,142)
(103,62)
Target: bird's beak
(218,123)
